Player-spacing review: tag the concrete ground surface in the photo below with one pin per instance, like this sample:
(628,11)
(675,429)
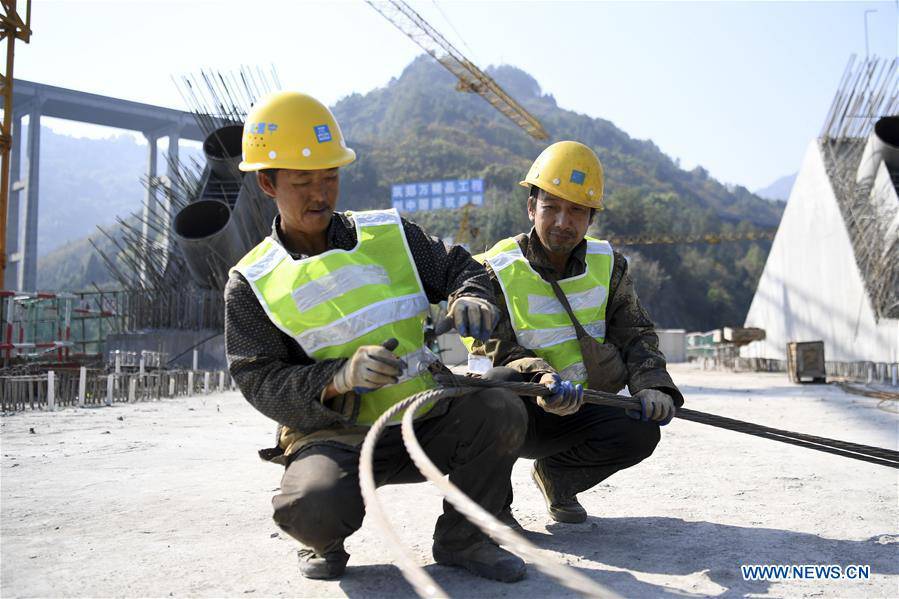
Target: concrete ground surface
(169,499)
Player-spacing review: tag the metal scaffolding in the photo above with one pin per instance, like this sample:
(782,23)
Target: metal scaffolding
(865,108)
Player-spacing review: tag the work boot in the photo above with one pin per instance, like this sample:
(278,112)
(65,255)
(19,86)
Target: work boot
(506,517)
(326,566)
(484,558)
(561,508)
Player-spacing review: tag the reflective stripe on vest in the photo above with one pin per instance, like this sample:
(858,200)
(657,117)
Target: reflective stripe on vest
(540,321)
(339,300)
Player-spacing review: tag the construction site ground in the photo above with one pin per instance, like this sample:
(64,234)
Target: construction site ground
(169,498)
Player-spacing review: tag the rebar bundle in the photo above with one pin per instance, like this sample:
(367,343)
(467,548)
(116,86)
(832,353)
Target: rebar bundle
(867,91)
(868,94)
(218,99)
(212,212)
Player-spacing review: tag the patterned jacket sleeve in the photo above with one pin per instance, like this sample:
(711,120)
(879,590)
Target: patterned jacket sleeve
(630,329)
(274,374)
(446,271)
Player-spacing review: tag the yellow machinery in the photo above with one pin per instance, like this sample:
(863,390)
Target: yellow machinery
(13,28)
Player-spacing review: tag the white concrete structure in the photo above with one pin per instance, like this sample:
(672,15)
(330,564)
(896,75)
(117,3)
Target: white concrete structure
(812,287)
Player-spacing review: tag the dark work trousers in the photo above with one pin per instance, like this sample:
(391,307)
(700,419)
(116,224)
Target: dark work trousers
(576,452)
(476,441)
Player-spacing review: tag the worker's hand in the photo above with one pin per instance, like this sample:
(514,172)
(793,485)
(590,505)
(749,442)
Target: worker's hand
(566,398)
(371,367)
(655,406)
(474,317)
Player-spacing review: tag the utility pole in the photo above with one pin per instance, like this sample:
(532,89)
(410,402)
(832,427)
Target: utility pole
(13,28)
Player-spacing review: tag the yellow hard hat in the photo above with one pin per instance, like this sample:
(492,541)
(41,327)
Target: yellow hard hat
(568,170)
(293,131)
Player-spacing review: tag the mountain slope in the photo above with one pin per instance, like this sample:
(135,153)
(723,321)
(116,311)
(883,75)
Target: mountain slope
(779,189)
(416,127)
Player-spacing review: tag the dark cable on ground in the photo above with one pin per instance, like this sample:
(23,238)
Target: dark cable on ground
(867,453)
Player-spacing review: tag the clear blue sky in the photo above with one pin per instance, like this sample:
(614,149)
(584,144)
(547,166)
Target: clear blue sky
(739,88)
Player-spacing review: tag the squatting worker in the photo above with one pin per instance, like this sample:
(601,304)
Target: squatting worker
(603,339)
(307,315)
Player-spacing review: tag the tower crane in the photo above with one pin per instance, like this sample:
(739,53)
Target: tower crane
(471,78)
(712,238)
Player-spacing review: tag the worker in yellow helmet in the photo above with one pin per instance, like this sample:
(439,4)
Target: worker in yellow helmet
(571,319)
(324,333)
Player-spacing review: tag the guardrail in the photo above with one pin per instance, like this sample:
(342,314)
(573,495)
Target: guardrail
(83,387)
(884,373)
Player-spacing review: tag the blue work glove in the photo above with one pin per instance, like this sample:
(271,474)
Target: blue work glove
(474,317)
(655,406)
(567,397)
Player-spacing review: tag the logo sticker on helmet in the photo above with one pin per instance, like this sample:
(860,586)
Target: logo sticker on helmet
(578,177)
(322,133)
(260,128)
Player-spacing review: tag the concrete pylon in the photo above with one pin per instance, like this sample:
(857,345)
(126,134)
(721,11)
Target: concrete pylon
(16,185)
(150,206)
(27,271)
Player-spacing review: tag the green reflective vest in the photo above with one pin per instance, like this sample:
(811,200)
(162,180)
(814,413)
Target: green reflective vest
(339,300)
(540,321)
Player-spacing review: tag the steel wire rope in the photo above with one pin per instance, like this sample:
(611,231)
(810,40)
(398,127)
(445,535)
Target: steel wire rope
(478,516)
(868,453)
(878,455)
(420,580)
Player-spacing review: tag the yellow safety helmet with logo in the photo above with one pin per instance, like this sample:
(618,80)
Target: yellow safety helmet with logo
(568,170)
(293,131)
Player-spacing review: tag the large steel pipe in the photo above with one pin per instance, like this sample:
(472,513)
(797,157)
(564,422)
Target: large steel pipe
(210,240)
(222,149)
(254,212)
(882,146)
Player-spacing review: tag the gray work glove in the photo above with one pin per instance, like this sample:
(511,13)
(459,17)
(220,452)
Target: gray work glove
(655,405)
(473,317)
(370,367)
(567,397)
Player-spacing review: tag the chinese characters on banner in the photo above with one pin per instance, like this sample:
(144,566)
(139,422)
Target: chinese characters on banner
(437,195)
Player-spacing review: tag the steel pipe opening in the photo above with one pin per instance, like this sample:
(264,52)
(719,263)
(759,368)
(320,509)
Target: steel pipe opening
(222,149)
(882,146)
(210,241)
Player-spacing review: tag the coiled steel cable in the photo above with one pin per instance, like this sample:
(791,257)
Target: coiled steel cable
(424,585)
(478,516)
